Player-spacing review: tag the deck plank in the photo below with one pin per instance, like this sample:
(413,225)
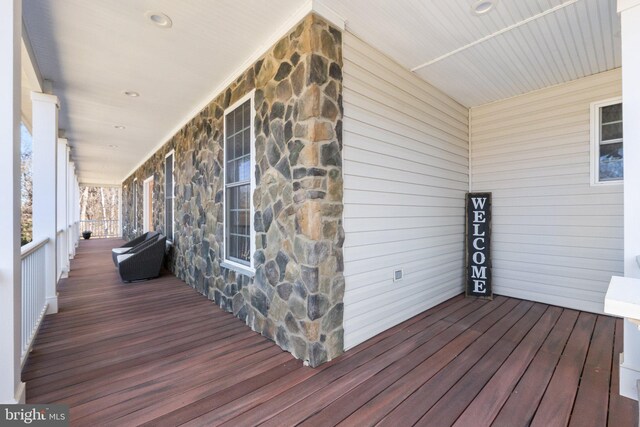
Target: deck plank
(622,410)
(521,405)
(158,353)
(486,405)
(557,402)
(591,402)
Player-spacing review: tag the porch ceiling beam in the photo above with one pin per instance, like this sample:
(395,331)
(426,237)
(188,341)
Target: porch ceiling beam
(495,34)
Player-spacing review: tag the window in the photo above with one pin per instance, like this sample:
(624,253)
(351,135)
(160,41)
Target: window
(238,185)
(134,188)
(606,142)
(169,195)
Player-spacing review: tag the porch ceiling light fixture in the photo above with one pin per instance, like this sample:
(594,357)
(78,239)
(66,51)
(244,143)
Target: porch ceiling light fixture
(119,127)
(158,19)
(113,146)
(481,7)
(131,93)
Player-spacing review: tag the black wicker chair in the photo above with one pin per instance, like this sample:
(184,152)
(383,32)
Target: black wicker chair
(143,261)
(132,244)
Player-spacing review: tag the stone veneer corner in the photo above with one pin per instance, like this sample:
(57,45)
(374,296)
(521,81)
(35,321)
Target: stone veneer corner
(296,295)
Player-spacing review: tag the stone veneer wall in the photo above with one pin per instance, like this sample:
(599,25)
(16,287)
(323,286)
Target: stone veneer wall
(296,295)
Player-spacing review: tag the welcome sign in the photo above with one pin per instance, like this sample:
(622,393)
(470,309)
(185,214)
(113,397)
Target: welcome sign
(478,245)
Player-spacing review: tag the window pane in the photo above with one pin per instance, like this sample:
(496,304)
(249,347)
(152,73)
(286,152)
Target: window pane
(611,131)
(611,162)
(243,248)
(243,169)
(246,141)
(243,202)
(233,246)
(168,194)
(611,113)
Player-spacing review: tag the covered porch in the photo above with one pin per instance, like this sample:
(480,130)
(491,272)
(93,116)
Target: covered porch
(310,171)
(158,353)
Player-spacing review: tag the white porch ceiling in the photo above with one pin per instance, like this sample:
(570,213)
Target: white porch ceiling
(95,50)
(519,46)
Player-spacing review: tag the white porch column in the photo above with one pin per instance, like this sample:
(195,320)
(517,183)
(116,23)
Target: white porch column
(11,388)
(63,203)
(45,144)
(74,210)
(630,16)
(69,178)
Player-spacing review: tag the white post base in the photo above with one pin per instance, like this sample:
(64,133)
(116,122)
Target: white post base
(629,377)
(52,305)
(20,396)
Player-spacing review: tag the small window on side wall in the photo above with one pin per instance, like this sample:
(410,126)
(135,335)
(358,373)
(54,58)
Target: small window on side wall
(606,142)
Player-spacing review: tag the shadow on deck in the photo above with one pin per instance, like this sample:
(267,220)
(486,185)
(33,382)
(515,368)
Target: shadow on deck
(157,352)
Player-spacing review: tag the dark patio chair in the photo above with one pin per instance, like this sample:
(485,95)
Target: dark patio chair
(131,244)
(144,261)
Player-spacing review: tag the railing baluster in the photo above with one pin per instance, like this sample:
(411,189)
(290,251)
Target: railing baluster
(33,291)
(100,228)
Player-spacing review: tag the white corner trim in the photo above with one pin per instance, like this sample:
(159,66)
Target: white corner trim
(20,394)
(469,138)
(330,15)
(294,18)
(497,33)
(627,4)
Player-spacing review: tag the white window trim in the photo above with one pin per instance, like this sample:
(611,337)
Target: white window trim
(595,141)
(135,205)
(146,198)
(173,193)
(233,265)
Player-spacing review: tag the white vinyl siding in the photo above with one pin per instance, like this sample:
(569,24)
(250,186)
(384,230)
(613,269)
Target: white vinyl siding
(405,177)
(556,238)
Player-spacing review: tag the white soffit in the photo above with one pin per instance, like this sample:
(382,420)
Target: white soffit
(517,47)
(95,50)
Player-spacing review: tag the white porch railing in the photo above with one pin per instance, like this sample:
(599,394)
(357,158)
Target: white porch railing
(101,228)
(34,305)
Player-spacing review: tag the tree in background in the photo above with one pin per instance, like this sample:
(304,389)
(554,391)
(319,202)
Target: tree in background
(99,204)
(26,217)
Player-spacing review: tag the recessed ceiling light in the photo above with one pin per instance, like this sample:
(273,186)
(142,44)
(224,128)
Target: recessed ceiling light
(480,7)
(132,93)
(158,19)
(119,127)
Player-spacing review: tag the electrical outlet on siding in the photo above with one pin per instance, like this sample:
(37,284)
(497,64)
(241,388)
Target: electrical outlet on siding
(398,275)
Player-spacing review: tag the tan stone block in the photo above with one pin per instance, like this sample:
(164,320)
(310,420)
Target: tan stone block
(267,71)
(309,103)
(309,155)
(311,330)
(309,218)
(321,131)
(278,309)
(284,91)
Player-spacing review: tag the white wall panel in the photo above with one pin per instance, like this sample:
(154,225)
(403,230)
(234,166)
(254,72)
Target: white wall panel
(405,176)
(556,238)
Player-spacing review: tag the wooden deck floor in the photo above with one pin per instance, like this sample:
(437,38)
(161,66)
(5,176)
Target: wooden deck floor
(159,353)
